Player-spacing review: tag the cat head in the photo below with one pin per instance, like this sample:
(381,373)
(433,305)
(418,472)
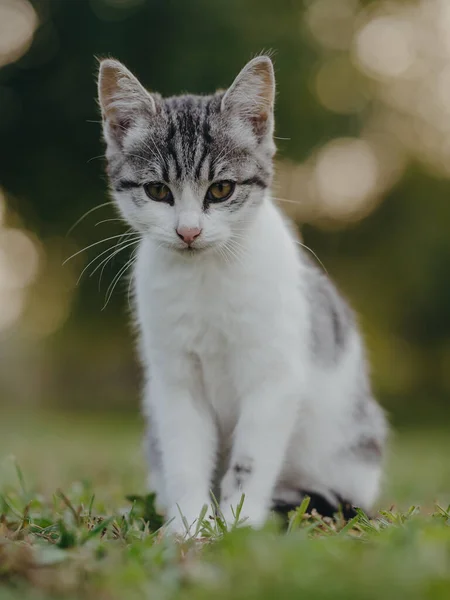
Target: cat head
(189,171)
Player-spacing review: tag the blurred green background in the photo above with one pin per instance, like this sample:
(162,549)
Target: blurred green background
(363,124)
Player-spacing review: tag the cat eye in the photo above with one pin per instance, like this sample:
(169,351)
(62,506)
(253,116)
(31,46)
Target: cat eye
(158,192)
(220,191)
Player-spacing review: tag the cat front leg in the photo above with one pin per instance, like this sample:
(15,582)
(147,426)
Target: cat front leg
(261,439)
(188,443)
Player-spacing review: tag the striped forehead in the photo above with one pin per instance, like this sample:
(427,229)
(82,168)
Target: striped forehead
(186,142)
(189,141)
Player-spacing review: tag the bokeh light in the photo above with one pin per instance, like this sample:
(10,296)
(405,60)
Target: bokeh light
(386,62)
(18,22)
(385,47)
(346,175)
(331,22)
(19,265)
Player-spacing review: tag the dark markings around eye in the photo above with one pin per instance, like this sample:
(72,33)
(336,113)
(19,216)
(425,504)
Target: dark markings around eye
(125,184)
(239,201)
(254,181)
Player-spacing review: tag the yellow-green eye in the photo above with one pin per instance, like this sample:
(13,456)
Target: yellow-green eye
(159,192)
(220,191)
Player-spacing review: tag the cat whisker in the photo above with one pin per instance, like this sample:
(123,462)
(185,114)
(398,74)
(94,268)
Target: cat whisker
(107,221)
(298,202)
(236,250)
(110,257)
(313,253)
(155,146)
(86,214)
(220,250)
(140,157)
(130,282)
(96,158)
(224,154)
(128,232)
(115,281)
(128,235)
(92,261)
(112,237)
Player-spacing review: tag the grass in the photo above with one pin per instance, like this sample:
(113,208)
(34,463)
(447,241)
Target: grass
(75,523)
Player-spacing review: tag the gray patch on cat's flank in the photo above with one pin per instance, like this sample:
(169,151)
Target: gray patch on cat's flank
(152,446)
(242,470)
(361,409)
(338,327)
(368,448)
(331,319)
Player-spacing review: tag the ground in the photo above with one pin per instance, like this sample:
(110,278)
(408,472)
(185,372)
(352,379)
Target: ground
(71,526)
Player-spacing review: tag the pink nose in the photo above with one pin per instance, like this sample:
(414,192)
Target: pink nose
(188,234)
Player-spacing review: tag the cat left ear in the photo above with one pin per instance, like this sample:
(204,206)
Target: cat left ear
(123,100)
(252,95)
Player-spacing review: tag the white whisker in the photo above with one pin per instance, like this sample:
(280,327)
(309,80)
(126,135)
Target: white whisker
(129,243)
(86,214)
(115,252)
(96,157)
(298,202)
(115,281)
(313,253)
(107,221)
(92,261)
(113,237)
(130,282)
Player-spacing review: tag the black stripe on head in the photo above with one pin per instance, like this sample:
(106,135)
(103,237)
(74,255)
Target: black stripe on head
(170,143)
(165,171)
(189,128)
(207,140)
(199,166)
(125,184)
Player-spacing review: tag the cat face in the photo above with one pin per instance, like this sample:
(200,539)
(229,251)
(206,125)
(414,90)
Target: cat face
(189,171)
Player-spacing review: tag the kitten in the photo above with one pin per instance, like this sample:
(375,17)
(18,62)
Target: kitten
(256,380)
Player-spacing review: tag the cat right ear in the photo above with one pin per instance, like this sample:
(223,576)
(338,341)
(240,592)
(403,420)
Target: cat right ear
(123,100)
(252,95)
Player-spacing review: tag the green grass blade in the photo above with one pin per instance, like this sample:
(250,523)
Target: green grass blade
(296,520)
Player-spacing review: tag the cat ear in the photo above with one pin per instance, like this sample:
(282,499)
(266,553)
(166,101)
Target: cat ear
(252,95)
(123,100)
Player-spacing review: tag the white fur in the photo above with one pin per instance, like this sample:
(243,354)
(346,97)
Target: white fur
(225,344)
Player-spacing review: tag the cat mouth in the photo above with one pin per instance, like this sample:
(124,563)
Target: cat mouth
(191,250)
